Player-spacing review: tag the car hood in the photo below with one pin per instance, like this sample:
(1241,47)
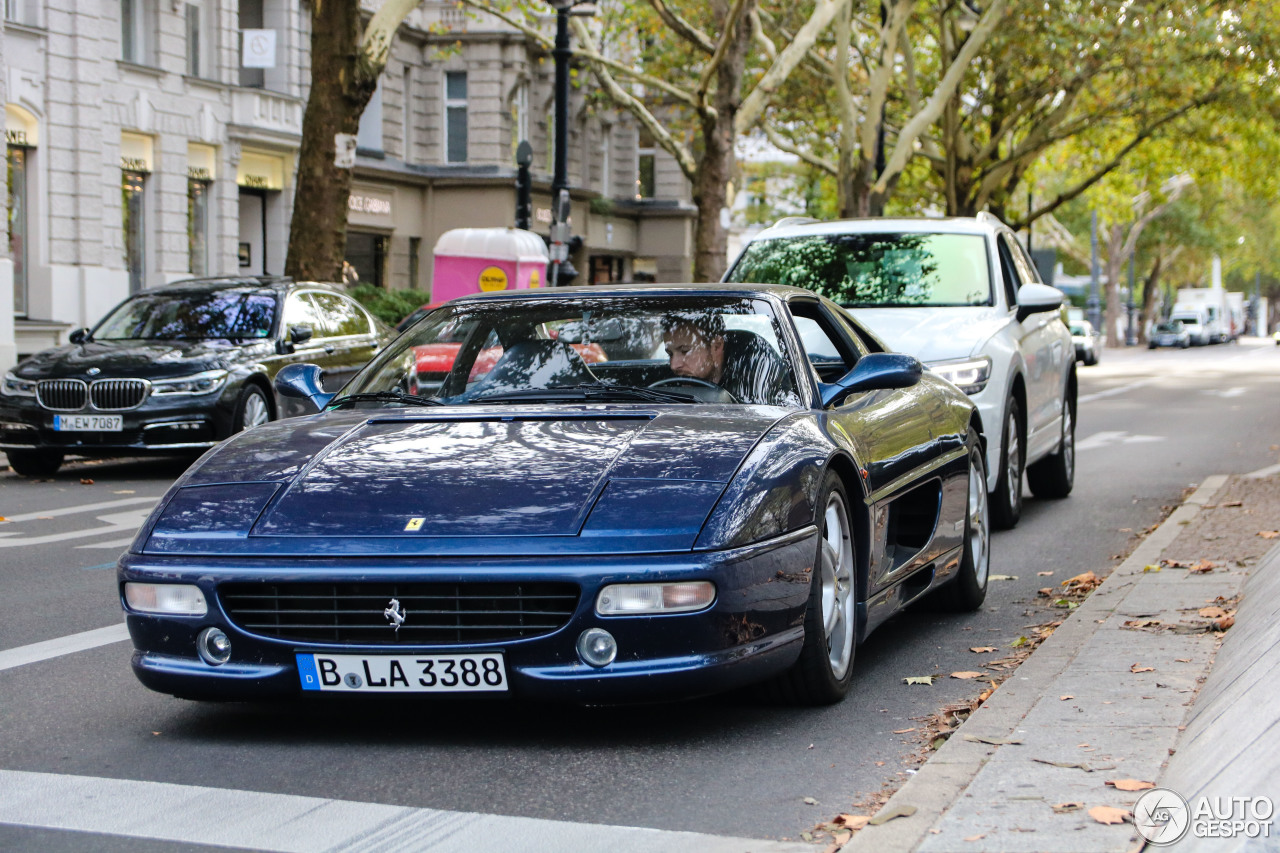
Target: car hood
(934,334)
(448,482)
(137,359)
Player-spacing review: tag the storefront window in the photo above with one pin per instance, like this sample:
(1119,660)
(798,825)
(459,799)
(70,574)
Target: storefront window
(135,248)
(198,225)
(18,226)
(368,254)
(646,176)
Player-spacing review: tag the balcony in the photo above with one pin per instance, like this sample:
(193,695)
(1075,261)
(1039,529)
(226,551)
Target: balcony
(261,110)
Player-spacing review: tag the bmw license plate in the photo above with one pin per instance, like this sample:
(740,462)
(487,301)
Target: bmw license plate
(88,423)
(461,673)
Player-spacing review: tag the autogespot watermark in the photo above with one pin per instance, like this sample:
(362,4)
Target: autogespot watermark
(1163,817)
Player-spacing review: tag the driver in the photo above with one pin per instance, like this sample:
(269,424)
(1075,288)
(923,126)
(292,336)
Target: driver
(695,345)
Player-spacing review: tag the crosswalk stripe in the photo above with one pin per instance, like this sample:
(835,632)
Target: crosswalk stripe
(286,823)
(9,658)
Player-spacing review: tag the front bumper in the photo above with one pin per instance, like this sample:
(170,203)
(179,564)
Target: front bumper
(753,630)
(157,426)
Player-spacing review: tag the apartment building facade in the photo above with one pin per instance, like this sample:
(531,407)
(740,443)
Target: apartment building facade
(154,140)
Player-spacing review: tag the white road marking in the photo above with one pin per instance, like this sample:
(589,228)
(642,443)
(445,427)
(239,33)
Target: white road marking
(114,543)
(1108,438)
(75,510)
(285,823)
(70,644)
(119,522)
(1225,392)
(1119,389)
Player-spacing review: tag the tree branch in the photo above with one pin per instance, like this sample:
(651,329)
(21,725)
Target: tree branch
(682,27)
(804,154)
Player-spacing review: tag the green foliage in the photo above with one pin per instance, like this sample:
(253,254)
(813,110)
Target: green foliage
(389,306)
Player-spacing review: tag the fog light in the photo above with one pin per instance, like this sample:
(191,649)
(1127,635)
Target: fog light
(214,646)
(625,599)
(597,647)
(179,599)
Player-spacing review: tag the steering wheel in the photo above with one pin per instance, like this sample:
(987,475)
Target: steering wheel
(720,395)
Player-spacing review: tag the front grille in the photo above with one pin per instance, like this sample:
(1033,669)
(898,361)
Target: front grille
(435,613)
(62,395)
(118,394)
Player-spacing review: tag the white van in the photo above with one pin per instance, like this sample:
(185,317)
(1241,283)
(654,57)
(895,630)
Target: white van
(1195,324)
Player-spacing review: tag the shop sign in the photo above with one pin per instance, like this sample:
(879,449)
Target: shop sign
(493,278)
(16,137)
(358,203)
(20,127)
(201,162)
(135,152)
(260,171)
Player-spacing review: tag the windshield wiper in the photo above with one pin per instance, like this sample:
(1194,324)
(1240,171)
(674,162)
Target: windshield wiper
(589,393)
(384,397)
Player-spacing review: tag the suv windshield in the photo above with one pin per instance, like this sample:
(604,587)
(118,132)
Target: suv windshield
(874,270)
(647,349)
(220,315)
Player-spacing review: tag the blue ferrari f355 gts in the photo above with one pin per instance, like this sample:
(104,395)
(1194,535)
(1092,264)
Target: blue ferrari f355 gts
(605,495)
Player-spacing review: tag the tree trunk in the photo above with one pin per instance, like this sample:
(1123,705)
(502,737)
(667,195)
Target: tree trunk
(715,171)
(1115,266)
(1150,287)
(341,87)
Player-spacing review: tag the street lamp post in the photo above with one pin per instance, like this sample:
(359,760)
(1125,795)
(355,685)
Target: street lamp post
(560,266)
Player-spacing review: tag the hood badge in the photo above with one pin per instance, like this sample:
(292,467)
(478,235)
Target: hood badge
(395,614)
(94,371)
(414,524)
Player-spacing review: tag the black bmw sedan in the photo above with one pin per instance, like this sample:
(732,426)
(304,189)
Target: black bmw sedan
(179,368)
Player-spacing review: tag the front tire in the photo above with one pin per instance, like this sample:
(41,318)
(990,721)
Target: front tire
(1006,501)
(252,409)
(824,670)
(968,589)
(35,463)
(1053,476)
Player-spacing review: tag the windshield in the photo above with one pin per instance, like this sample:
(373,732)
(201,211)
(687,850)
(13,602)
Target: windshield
(1170,328)
(874,270)
(222,314)
(663,349)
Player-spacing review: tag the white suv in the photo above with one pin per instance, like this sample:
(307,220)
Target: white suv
(963,297)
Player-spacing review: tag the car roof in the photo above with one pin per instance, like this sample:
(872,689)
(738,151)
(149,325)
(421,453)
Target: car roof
(779,291)
(210,284)
(794,227)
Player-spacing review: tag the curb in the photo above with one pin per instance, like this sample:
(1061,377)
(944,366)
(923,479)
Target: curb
(944,777)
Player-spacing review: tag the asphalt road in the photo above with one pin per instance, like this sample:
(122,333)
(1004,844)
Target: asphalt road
(1151,424)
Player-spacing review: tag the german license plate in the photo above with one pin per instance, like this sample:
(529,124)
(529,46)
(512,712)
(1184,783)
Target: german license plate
(461,673)
(88,423)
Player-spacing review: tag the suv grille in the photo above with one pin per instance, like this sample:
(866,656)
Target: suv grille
(435,613)
(108,394)
(62,395)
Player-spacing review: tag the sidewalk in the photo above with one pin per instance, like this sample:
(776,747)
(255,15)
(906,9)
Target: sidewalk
(1121,686)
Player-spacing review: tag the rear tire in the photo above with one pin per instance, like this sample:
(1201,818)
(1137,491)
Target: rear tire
(35,463)
(824,670)
(968,589)
(1006,501)
(1053,476)
(252,409)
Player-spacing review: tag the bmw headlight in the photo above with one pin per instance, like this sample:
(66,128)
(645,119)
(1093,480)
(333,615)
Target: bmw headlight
(16,386)
(970,375)
(200,383)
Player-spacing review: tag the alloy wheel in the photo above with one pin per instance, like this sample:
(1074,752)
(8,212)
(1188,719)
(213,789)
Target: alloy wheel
(979,525)
(837,586)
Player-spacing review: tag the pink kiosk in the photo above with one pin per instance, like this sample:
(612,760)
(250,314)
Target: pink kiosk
(472,260)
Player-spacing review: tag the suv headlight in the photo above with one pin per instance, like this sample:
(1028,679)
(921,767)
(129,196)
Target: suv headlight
(200,383)
(15,386)
(970,375)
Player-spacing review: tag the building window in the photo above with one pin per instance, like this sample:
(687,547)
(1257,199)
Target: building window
(251,18)
(18,231)
(368,254)
(406,118)
(646,178)
(22,12)
(415,249)
(198,226)
(519,117)
(197,41)
(136,29)
(606,160)
(369,136)
(135,228)
(455,111)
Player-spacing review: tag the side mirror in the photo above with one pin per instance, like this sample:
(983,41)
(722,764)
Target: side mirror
(302,382)
(1036,299)
(79,336)
(300,334)
(874,372)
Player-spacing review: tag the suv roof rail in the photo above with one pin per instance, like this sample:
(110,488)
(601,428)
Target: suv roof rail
(794,220)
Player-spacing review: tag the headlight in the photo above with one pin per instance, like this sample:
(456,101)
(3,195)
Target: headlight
(200,383)
(633,599)
(180,599)
(969,375)
(15,386)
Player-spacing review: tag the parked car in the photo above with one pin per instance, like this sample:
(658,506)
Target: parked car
(179,368)
(1087,341)
(1170,334)
(962,296)
(745,489)
(1196,324)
